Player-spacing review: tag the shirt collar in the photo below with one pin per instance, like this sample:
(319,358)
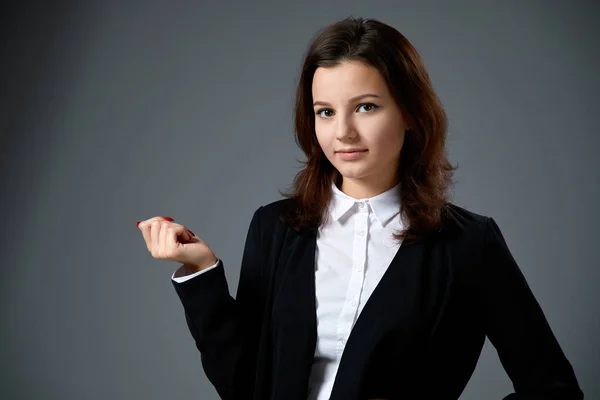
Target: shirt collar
(385,205)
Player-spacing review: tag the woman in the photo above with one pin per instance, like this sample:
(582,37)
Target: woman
(365,281)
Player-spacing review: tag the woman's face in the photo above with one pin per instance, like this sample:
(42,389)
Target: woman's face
(354,109)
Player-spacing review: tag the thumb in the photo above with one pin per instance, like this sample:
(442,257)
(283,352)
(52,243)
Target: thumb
(187,235)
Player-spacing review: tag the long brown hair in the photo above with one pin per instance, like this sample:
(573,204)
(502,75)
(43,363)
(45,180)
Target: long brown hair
(424,170)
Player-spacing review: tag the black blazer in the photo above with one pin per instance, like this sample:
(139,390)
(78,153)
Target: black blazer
(419,336)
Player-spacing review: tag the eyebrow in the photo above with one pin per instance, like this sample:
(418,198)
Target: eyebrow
(316,103)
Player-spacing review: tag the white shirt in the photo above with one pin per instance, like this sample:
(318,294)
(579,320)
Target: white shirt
(354,249)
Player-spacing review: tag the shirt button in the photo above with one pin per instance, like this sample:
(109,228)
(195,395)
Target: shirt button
(361,233)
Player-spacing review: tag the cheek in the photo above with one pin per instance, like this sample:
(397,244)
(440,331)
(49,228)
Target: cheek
(323,138)
(388,137)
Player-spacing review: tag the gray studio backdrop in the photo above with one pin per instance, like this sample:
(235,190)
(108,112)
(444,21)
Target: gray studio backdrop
(118,111)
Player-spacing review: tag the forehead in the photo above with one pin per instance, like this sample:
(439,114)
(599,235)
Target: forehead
(347,79)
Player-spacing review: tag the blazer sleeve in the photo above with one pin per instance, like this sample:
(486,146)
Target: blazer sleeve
(226,330)
(518,329)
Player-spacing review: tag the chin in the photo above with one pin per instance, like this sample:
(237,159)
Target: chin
(353,173)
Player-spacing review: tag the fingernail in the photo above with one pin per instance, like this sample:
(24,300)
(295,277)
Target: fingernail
(169,219)
(138,223)
(193,234)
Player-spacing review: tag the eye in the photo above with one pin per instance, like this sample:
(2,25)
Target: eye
(323,110)
(328,113)
(370,106)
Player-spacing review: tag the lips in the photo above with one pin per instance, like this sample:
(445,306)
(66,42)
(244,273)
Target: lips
(351,156)
(351,151)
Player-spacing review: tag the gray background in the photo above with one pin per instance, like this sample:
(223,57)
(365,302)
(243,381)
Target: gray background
(118,111)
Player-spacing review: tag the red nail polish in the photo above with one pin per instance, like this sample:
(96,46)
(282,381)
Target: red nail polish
(138,223)
(193,234)
(169,219)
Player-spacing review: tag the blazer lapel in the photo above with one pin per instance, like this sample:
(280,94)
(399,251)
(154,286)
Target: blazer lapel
(294,318)
(395,302)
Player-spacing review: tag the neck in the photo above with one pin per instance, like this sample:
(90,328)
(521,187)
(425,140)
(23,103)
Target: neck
(364,190)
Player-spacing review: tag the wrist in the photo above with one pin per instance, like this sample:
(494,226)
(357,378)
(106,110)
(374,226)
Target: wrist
(193,268)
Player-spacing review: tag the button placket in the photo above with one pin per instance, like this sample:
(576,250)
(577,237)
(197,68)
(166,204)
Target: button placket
(350,308)
(357,281)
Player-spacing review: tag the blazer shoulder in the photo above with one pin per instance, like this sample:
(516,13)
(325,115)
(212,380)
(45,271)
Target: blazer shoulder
(459,221)
(271,212)
(269,226)
(268,218)
(276,206)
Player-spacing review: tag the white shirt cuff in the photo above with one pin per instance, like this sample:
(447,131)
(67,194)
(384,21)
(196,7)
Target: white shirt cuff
(195,274)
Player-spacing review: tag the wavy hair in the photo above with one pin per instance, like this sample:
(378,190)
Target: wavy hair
(425,174)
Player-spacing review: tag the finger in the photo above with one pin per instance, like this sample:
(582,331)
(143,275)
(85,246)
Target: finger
(172,235)
(145,229)
(155,228)
(165,242)
(156,242)
(148,222)
(168,238)
(180,231)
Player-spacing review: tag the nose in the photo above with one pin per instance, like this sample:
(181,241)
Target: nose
(344,128)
